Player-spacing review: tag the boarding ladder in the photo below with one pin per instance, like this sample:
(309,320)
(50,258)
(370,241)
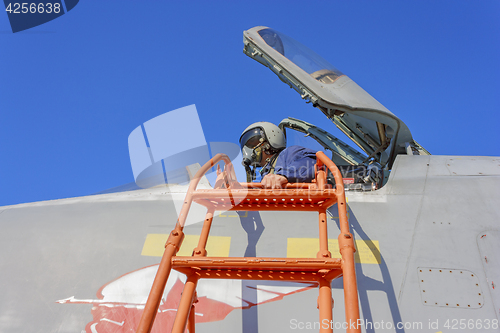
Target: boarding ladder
(228,194)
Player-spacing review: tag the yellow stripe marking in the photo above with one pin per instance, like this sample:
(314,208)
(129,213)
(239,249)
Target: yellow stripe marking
(234,215)
(217,246)
(367,252)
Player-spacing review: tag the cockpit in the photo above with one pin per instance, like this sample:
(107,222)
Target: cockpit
(378,133)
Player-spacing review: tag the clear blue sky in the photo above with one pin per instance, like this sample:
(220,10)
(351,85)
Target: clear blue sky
(73,89)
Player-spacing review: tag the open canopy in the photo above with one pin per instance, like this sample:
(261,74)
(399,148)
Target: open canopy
(377,131)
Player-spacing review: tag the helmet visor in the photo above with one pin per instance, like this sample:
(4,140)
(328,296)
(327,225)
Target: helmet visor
(251,138)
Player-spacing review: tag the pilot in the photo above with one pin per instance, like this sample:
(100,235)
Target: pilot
(263,145)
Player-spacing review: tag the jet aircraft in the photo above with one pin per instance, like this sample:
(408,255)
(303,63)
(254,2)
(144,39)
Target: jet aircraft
(425,229)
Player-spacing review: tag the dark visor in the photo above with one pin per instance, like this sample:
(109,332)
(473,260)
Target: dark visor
(251,138)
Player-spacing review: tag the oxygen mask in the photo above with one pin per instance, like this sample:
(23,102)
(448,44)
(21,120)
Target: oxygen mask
(252,156)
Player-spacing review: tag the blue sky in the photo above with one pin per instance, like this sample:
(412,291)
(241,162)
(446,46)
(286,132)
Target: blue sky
(73,89)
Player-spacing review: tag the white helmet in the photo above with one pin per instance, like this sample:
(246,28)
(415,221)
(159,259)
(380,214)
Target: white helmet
(261,134)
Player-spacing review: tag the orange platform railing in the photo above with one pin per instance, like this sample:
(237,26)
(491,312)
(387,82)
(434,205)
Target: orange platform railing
(229,194)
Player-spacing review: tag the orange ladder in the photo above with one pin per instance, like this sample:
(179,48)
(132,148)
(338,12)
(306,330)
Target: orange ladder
(228,194)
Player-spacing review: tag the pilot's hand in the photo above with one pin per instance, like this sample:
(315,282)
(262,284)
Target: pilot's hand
(274,181)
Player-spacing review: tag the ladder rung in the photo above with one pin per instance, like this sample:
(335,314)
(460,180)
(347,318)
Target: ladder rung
(258,264)
(313,263)
(259,274)
(262,200)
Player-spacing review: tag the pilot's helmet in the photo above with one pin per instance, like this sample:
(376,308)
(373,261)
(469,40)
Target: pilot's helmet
(261,136)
